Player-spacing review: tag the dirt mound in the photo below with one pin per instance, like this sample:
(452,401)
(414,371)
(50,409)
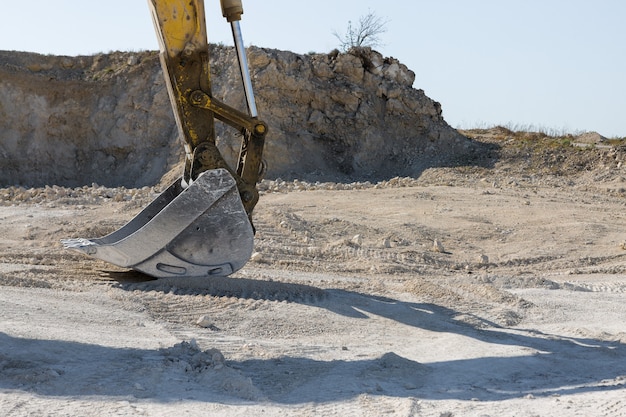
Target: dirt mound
(106,118)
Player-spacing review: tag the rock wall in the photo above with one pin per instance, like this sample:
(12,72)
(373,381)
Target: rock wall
(107,119)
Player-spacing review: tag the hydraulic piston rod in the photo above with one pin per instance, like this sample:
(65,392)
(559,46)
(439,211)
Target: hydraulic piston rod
(232,11)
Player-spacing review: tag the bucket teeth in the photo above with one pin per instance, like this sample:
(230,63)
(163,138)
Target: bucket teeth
(80,244)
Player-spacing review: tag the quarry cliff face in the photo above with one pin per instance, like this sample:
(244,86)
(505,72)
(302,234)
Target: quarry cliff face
(107,119)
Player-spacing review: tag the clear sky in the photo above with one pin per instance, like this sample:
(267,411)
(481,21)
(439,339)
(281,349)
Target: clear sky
(557,65)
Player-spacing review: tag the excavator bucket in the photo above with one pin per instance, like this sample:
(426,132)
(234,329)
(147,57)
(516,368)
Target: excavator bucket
(202,230)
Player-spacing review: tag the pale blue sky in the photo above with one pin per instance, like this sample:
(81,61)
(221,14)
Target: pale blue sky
(552,64)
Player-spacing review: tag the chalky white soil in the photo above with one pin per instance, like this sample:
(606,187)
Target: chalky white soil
(453,294)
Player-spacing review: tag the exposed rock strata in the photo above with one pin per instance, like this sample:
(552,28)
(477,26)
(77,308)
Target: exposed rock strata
(107,119)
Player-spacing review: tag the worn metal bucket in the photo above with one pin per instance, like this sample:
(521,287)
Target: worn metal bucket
(198,231)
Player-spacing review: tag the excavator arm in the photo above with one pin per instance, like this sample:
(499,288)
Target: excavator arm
(201,225)
(180,27)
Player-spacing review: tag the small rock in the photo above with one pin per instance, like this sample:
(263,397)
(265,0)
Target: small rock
(216,356)
(256,257)
(589,138)
(438,246)
(483,260)
(204,321)
(357,240)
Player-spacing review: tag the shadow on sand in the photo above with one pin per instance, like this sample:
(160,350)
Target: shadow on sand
(554,365)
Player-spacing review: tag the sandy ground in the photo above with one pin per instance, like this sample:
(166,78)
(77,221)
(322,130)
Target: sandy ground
(348,309)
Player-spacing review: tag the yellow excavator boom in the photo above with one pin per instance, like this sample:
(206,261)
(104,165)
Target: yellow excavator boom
(201,225)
